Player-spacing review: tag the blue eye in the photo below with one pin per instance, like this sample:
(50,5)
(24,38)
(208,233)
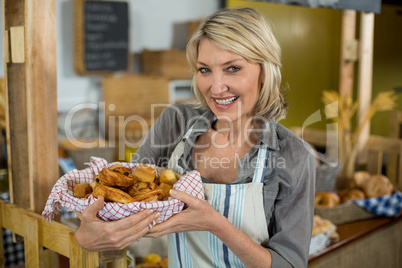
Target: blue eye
(203,70)
(233,69)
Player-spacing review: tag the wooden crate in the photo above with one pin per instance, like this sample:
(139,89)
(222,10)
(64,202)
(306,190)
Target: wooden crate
(132,104)
(170,63)
(344,213)
(126,95)
(192,27)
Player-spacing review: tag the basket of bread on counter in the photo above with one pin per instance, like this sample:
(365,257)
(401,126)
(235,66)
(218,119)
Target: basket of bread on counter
(323,234)
(126,187)
(373,195)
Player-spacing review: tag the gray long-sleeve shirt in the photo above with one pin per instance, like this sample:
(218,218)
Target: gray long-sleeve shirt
(288,180)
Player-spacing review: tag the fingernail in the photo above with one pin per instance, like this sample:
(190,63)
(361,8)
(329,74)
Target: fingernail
(153,222)
(149,212)
(172,192)
(157,215)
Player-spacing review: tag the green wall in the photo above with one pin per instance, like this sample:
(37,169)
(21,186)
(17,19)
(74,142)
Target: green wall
(387,61)
(310,41)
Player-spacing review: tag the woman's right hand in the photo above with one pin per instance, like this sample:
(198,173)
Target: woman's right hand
(95,234)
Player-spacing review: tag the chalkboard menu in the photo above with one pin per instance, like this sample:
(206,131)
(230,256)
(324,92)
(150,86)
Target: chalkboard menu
(101,43)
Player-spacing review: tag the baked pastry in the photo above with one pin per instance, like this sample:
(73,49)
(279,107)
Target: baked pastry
(141,188)
(326,199)
(360,178)
(119,184)
(168,176)
(321,225)
(334,237)
(350,195)
(144,173)
(166,189)
(149,196)
(112,194)
(378,185)
(82,190)
(116,176)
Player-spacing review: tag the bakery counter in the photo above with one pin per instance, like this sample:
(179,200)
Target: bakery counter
(369,243)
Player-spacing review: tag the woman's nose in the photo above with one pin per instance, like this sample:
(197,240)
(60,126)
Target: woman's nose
(218,84)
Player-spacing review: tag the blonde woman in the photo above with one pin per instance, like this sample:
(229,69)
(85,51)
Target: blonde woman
(258,176)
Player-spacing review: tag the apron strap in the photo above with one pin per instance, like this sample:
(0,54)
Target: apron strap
(261,163)
(178,152)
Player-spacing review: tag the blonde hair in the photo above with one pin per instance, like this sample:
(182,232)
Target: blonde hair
(245,32)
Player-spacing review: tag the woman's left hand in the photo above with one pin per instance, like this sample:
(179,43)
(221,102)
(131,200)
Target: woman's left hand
(198,216)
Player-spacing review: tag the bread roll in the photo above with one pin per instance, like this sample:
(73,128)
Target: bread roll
(321,225)
(378,185)
(360,178)
(166,189)
(350,195)
(326,199)
(144,173)
(82,190)
(168,176)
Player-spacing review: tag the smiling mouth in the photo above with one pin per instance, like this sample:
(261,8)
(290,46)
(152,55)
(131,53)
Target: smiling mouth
(226,101)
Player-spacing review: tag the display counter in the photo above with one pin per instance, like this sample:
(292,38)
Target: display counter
(369,243)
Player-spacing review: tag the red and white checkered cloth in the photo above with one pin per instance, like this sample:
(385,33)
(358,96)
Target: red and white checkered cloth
(62,194)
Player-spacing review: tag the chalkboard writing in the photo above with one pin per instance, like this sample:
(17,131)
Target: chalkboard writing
(105,36)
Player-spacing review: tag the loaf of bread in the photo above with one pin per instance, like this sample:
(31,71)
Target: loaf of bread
(378,185)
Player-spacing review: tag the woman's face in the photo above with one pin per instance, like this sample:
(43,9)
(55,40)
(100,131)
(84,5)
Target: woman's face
(229,83)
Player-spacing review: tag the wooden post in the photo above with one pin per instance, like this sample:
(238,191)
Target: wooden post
(348,53)
(29,30)
(31,243)
(346,76)
(365,76)
(2,257)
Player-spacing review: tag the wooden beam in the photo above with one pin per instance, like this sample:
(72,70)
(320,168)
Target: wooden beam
(365,75)
(348,38)
(42,94)
(31,243)
(31,89)
(16,110)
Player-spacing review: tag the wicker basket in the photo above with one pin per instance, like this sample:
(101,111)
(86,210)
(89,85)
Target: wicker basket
(344,213)
(326,175)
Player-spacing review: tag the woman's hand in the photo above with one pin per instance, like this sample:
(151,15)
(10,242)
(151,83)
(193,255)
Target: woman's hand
(97,235)
(199,216)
